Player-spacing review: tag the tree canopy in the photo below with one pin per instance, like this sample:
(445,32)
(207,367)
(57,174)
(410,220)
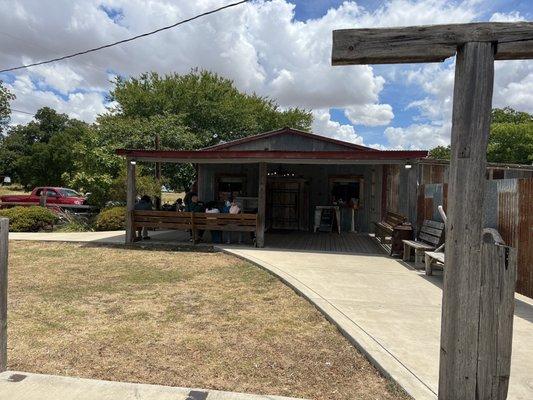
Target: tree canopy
(186,112)
(510,138)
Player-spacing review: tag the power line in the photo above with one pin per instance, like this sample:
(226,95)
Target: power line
(22,112)
(125,40)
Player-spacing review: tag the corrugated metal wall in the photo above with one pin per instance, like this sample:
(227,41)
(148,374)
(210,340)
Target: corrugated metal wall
(508,208)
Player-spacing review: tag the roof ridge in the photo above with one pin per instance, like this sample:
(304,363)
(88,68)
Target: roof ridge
(288,130)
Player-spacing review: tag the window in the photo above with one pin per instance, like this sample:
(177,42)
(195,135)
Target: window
(69,193)
(228,187)
(347,190)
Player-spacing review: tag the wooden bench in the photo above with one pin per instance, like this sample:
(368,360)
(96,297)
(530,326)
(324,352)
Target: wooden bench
(432,258)
(224,222)
(385,228)
(429,238)
(194,221)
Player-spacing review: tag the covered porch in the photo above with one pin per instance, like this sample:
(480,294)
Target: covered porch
(287,181)
(285,192)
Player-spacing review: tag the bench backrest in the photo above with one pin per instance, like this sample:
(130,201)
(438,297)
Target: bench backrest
(225,222)
(163,219)
(197,220)
(431,232)
(394,219)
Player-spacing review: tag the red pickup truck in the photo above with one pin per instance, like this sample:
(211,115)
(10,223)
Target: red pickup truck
(59,196)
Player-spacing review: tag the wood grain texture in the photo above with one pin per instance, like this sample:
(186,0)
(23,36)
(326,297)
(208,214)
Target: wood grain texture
(498,277)
(130,200)
(474,77)
(432,43)
(261,205)
(4,246)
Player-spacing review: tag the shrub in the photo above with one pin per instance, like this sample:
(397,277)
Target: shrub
(111,219)
(29,219)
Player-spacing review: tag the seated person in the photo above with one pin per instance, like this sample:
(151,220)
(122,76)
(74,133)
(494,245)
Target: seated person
(234,209)
(216,236)
(144,204)
(194,205)
(178,205)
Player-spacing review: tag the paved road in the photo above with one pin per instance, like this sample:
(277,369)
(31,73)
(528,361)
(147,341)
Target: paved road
(391,311)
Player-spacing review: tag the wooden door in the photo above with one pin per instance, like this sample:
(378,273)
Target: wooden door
(284,206)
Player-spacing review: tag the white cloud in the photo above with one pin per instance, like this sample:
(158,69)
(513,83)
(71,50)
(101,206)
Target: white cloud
(369,114)
(259,45)
(512,16)
(323,125)
(83,106)
(418,136)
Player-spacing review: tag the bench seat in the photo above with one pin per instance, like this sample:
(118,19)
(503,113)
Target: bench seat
(433,258)
(429,238)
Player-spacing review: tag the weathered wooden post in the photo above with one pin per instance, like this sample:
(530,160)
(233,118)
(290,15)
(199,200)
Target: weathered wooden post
(478,295)
(261,205)
(4,248)
(130,199)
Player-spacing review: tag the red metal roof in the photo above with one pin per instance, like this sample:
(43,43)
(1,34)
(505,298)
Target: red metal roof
(274,154)
(291,131)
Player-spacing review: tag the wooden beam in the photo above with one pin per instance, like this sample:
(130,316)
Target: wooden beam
(460,330)
(4,247)
(261,205)
(432,43)
(130,200)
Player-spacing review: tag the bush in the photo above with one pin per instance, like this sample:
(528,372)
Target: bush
(111,219)
(29,219)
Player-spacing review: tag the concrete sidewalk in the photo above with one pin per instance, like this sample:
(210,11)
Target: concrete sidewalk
(391,312)
(27,386)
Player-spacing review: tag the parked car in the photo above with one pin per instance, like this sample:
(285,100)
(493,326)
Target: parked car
(53,195)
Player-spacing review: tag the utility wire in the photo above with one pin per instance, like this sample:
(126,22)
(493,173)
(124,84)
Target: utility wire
(125,40)
(22,112)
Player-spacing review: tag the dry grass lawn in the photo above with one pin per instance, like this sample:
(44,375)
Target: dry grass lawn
(176,318)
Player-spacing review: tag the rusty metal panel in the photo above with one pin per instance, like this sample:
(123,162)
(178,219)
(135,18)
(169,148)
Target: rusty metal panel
(508,208)
(524,283)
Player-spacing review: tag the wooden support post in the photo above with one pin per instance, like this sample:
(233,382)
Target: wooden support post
(130,200)
(261,205)
(412,196)
(498,281)
(475,344)
(4,247)
(460,330)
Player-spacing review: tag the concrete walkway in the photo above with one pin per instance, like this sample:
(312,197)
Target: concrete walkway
(26,386)
(389,311)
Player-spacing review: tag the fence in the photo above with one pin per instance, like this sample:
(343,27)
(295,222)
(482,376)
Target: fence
(508,208)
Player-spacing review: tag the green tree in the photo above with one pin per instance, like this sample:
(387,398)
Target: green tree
(511,143)
(509,115)
(5,110)
(510,138)
(440,153)
(211,106)
(43,152)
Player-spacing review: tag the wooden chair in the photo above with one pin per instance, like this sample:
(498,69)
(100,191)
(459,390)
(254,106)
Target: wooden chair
(385,228)
(430,236)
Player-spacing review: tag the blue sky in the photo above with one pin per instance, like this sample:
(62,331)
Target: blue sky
(276,48)
(397,94)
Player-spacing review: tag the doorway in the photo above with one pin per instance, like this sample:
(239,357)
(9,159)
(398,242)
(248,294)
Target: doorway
(287,204)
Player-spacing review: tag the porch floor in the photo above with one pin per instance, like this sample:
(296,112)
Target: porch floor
(321,242)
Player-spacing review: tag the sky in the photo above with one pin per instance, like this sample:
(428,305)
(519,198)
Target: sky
(278,48)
